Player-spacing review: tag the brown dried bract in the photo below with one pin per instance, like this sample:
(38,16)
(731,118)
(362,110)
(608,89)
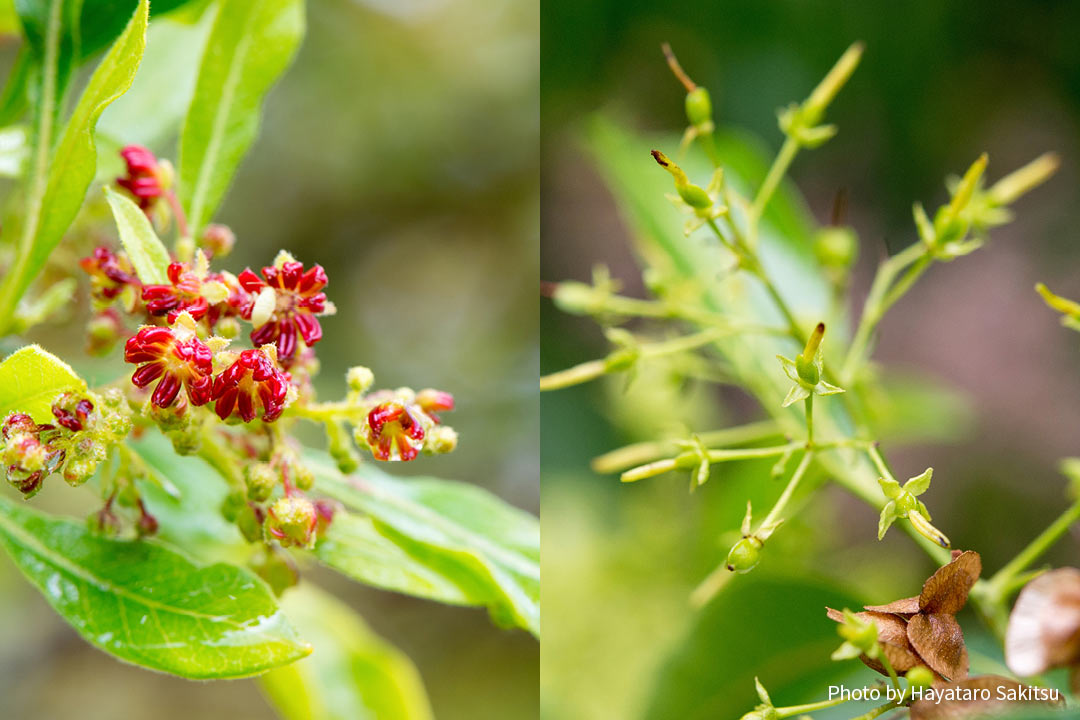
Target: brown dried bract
(922,630)
(1044,628)
(995,685)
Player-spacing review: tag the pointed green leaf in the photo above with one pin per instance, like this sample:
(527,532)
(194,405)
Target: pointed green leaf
(57,184)
(890,487)
(824,388)
(797,393)
(353,675)
(147,254)
(920,483)
(888,517)
(31,379)
(147,604)
(487,548)
(250,45)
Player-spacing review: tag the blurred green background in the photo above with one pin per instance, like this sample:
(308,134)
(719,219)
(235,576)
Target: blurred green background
(400,152)
(939,83)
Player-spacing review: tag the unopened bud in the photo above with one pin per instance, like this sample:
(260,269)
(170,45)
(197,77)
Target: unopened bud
(260,479)
(744,555)
(292,521)
(836,247)
(692,195)
(441,439)
(218,240)
(699,107)
(359,378)
(920,676)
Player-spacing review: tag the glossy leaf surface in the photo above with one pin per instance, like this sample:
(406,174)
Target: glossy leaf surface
(488,549)
(31,379)
(147,604)
(250,45)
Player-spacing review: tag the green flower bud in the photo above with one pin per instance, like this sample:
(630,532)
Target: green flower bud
(359,378)
(920,676)
(698,107)
(228,328)
(440,440)
(303,476)
(744,555)
(807,369)
(260,479)
(341,447)
(836,247)
(291,521)
(692,195)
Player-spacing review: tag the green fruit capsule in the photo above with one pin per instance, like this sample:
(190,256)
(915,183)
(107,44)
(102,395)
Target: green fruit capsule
(920,676)
(836,247)
(808,371)
(744,555)
(698,106)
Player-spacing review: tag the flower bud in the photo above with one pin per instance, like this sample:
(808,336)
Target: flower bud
(836,247)
(692,195)
(920,676)
(261,479)
(341,447)
(440,440)
(303,476)
(228,328)
(744,555)
(699,107)
(103,331)
(359,378)
(218,240)
(72,411)
(292,521)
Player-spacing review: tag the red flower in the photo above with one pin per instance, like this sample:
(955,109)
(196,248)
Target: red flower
(183,294)
(253,378)
(72,411)
(177,357)
(431,400)
(143,179)
(109,273)
(395,430)
(297,299)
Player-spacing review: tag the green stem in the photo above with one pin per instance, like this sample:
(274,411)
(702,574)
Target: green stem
(810,420)
(877,302)
(15,282)
(878,711)
(640,453)
(892,673)
(785,496)
(1002,580)
(793,710)
(216,454)
(595,368)
(776,173)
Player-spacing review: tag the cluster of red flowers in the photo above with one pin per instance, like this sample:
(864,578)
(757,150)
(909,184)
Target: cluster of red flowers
(282,304)
(33,450)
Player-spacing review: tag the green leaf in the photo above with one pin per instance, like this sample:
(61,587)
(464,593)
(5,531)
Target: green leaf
(250,45)
(148,255)
(30,380)
(487,548)
(354,546)
(194,522)
(354,674)
(149,605)
(13,98)
(57,185)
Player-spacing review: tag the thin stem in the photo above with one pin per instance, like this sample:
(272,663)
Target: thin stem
(1002,579)
(640,453)
(16,280)
(878,711)
(785,496)
(793,710)
(877,302)
(892,673)
(810,419)
(595,368)
(215,453)
(879,462)
(178,212)
(776,173)
(636,307)
(689,459)
(575,375)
